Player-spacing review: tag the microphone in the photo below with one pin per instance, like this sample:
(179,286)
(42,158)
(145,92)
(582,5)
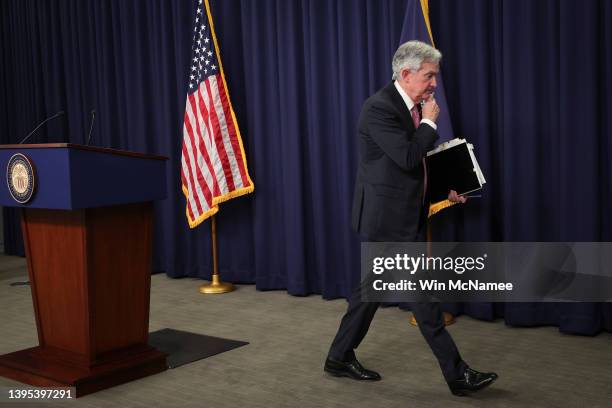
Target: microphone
(93,118)
(60,113)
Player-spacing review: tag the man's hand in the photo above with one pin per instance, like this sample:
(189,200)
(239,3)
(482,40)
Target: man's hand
(455,198)
(430,109)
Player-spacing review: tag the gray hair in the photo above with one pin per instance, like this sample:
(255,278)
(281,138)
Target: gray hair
(411,55)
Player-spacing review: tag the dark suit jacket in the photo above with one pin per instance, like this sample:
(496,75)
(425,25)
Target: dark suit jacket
(388,199)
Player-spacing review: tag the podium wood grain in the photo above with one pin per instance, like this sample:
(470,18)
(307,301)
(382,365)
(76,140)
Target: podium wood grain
(90,279)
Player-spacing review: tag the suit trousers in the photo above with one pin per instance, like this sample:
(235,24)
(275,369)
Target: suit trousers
(356,322)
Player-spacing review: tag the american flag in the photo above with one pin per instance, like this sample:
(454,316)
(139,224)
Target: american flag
(213,162)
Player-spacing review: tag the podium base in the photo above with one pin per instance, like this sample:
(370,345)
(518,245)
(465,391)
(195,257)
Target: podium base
(36,366)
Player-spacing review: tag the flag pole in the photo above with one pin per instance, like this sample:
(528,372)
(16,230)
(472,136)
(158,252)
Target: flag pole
(216,286)
(448,318)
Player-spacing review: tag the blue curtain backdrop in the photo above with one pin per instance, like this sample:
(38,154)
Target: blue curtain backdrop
(527,82)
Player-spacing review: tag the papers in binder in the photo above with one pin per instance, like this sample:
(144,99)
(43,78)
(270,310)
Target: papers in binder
(453,166)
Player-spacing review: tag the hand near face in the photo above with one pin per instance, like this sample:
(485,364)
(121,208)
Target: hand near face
(430,109)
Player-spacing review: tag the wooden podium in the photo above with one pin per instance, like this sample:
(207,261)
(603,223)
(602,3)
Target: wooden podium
(87,233)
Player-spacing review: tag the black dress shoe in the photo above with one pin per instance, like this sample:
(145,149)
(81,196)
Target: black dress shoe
(471,381)
(350,369)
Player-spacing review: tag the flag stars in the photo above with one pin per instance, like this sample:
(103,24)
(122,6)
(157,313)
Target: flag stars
(203,57)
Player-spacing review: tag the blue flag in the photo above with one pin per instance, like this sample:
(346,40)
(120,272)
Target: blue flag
(416,27)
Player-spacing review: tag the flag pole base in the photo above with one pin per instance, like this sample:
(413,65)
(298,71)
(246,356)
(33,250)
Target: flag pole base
(216,286)
(448,319)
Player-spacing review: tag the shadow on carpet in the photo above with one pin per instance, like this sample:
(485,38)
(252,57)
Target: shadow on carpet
(184,347)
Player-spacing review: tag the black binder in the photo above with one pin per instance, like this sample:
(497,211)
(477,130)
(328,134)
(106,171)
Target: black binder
(452,166)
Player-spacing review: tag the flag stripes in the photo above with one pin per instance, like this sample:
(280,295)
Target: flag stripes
(213,163)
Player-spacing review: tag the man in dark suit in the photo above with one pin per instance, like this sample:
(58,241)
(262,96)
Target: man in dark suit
(396,129)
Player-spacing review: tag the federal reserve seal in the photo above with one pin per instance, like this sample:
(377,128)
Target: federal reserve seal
(20,177)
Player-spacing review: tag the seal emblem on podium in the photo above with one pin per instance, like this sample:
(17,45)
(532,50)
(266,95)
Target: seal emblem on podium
(21,178)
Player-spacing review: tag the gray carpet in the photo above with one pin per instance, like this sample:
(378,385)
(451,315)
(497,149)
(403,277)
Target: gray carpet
(289,337)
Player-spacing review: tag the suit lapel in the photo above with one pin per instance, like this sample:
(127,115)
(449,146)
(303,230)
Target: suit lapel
(400,105)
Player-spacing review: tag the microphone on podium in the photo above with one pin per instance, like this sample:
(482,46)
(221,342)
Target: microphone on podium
(58,114)
(93,118)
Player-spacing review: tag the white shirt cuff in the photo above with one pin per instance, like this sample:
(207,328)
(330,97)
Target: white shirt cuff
(430,123)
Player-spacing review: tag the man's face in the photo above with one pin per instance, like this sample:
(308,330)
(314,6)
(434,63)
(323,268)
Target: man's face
(420,85)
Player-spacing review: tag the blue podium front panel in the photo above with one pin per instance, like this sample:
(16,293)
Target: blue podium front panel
(73,177)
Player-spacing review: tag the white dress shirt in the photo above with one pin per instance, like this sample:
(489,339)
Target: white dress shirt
(410,104)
